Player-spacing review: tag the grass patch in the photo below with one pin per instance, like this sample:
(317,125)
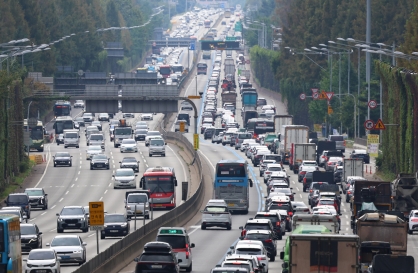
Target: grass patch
(17,181)
(386,175)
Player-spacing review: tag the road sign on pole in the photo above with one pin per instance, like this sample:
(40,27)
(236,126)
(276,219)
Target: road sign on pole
(315,96)
(329,95)
(330,111)
(369,124)
(182,126)
(379,125)
(372,104)
(302,96)
(314,90)
(96,211)
(196,141)
(192,46)
(323,95)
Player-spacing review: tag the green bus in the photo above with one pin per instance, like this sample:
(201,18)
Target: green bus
(37,134)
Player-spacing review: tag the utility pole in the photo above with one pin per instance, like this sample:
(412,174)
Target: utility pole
(368,61)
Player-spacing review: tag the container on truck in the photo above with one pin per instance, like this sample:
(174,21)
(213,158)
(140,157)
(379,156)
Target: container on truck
(291,134)
(300,152)
(352,167)
(322,253)
(245,73)
(329,221)
(280,120)
(405,193)
(229,97)
(249,97)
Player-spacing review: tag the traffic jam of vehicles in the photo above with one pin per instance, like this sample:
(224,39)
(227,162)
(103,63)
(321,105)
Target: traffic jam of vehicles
(302,230)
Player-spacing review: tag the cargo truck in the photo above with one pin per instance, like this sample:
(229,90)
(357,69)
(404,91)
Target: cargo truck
(249,97)
(405,193)
(300,152)
(245,73)
(121,132)
(323,146)
(322,253)
(229,97)
(280,120)
(291,134)
(352,167)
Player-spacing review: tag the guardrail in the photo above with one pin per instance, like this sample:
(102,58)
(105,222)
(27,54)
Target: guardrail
(124,251)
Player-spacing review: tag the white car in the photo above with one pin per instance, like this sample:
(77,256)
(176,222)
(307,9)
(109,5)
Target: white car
(79,104)
(146,116)
(44,260)
(70,248)
(151,134)
(128,145)
(124,178)
(93,150)
(270,168)
(307,166)
(413,221)
(252,249)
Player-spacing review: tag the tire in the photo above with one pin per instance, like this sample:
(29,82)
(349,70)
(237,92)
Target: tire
(77,146)
(85,229)
(147,216)
(228,227)
(189,269)
(236,148)
(304,189)
(295,172)
(202,227)
(223,144)
(91,167)
(55,165)
(60,230)
(261,174)
(45,207)
(272,258)
(290,167)
(41,150)
(163,155)
(102,236)
(150,155)
(71,164)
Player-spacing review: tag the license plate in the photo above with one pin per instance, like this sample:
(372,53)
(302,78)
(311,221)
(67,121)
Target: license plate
(99,165)
(65,257)
(41,271)
(158,205)
(114,231)
(231,205)
(129,149)
(156,266)
(139,211)
(71,224)
(23,244)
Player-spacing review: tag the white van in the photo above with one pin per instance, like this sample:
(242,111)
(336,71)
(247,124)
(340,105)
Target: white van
(156,147)
(71,138)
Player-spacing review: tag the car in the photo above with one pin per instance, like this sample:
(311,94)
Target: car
(156,146)
(306,166)
(115,224)
(124,178)
(21,201)
(361,154)
(261,102)
(98,124)
(87,210)
(186,106)
(332,162)
(270,168)
(72,217)
(103,117)
(338,173)
(96,139)
(157,256)
(146,116)
(128,115)
(216,214)
(307,180)
(63,158)
(93,150)
(70,248)
(78,104)
(128,145)
(257,250)
(99,161)
(245,264)
(151,134)
(44,260)
(300,207)
(349,193)
(16,211)
(37,198)
(244,144)
(314,186)
(276,221)
(327,202)
(80,121)
(178,239)
(129,162)
(263,165)
(256,261)
(31,237)
(257,224)
(208,133)
(140,134)
(267,238)
(413,221)
(204,126)
(323,158)
(217,135)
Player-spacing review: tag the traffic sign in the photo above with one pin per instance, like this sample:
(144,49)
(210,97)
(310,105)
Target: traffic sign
(315,96)
(379,125)
(194,97)
(182,126)
(314,90)
(323,95)
(302,96)
(192,46)
(330,111)
(230,38)
(329,95)
(196,141)
(96,211)
(369,124)
(372,104)
(219,45)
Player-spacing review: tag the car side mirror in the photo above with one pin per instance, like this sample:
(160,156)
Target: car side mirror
(241,237)
(136,260)
(84,244)
(48,244)
(251,182)
(57,214)
(192,245)
(40,233)
(25,260)
(241,228)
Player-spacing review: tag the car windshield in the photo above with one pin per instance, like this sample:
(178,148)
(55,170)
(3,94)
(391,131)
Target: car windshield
(248,251)
(14,212)
(27,230)
(114,218)
(99,157)
(257,226)
(153,134)
(285,190)
(72,211)
(275,169)
(157,142)
(65,241)
(279,206)
(41,255)
(96,137)
(215,209)
(79,119)
(173,240)
(326,202)
(95,148)
(309,163)
(129,159)
(62,155)
(124,172)
(156,257)
(128,141)
(257,236)
(34,192)
(139,199)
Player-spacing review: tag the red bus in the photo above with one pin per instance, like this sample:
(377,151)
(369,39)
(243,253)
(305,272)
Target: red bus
(161,182)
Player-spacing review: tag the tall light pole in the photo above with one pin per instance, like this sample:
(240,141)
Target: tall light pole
(368,61)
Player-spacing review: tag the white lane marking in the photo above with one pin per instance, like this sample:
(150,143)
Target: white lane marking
(181,162)
(53,206)
(80,167)
(300,195)
(53,230)
(145,161)
(293,182)
(195,228)
(110,184)
(79,172)
(146,165)
(75,180)
(67,192)
(61,199)
(30,220)
(113,161)
(101,198)
(297,188)
(213,167)
(43,213)
(81,162)
(72,185)
(346,216)
(46,168)
(91,234)
(105,192)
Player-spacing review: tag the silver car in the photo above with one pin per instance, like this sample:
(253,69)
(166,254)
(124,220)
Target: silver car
(216,214)
(44,260)
(128,145)
(124,178)
(156,146)
(93,150)
(70,248)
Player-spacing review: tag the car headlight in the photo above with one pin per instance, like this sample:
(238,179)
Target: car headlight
(78,251)
(124,225)
(82,219)
(105,226)
(33,240)
(60,220)
(51,265)
(29,265)
(128,207)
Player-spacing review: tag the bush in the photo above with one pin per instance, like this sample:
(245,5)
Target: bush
(379,161)
(24,165)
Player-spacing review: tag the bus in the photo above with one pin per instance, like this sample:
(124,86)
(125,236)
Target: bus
(10,245)
(232,184)
(161,182)
(227,13)
(63,123)
(37,134)
(260,126)
(62,108)
(207,23)
(202,68)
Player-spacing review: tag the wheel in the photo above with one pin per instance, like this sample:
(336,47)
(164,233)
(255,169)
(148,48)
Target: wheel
(77,146)
(223,144)
(295,172)
(88,144)
(147,216)
(60,230)
(261,175)
(65,147)
(202,226)
(71,164)
(82,262)
(55,165)
(107,167)
(304,189)
(236,148)
(290,167)
(272,258)
(91,167)
(228,227)
(85,229)
(45,207)
(189,269)
(163,155)
(410,231)
(150,155)
(102,236)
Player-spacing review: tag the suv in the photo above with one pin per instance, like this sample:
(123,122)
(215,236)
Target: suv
(307,166)
(257,224)
(339,142)
(156,146)
(276,221)
(361,154)
(88,118)
(63,158)
(19,200)
(209,132)
(216,214)
(157,257)
(179,240)
(216,135)
(314,186)
(130,162)
(31,237)
(37,198)
(96,139)
(72,217)
(267,238)
(150,135)
(239,139)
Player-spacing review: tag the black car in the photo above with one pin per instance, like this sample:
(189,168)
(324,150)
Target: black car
(361,154)
(275,220)
(130,162)
(30,237)
(37,198)
(116,224)
(157,257)
(63,158)
(209,133)
(140,134)
(99,161)
(314,186)
(267,238)
(19,200)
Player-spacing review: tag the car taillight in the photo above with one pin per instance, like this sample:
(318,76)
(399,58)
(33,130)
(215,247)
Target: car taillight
(278,224)
(344,142)
(304,180)
(414,220)
(259,258)
(310,190)
(236,141)
(267,172)
(302,172)
(187,254)
(290,213)
(287,218)
(329,163)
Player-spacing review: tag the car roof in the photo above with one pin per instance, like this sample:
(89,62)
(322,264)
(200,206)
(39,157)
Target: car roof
(19,193)
(250,242)
(256,231)
(67,236)
(258,221)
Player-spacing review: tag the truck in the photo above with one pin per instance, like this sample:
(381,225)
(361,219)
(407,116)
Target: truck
(137,203)
(280,120)
(322,253)
(248,112)
(245,73)
(291,134)
(121,132)
(384,263)
(300,152)
(323,146)
(229,69)
(381,233)
(206,54)
(405,193)
(229,97)
(249,97)
(352,167)
(329,221)
(370,196)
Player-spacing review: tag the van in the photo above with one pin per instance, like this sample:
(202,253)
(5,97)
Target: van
(96,139)
(240,138)
(156,146)
(71,138)
(184,116)
(216,214)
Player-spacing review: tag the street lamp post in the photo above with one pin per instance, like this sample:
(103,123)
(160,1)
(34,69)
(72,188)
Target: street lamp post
(27,126)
